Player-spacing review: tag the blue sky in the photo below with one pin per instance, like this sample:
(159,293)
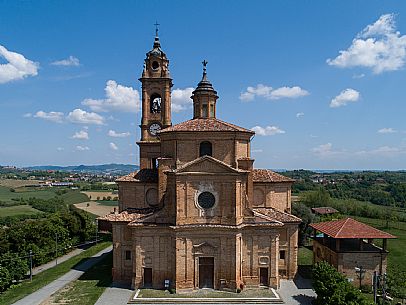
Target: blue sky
(321,82)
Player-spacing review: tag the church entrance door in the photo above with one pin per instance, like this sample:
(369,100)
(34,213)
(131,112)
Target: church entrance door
(206,272)
(263,276)
(147,277)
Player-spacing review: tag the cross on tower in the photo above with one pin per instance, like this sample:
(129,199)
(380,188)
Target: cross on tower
(156,28)
(204,62)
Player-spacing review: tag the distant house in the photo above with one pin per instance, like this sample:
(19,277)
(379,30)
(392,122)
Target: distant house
(347,244)
(324,211)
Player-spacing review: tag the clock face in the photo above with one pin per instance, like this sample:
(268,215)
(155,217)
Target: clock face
(154,128)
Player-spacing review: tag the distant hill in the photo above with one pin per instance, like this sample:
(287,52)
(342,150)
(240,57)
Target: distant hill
(94,169)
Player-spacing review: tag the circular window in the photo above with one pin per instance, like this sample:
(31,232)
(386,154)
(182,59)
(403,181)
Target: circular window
(206,200)
(155,65)
(152,197)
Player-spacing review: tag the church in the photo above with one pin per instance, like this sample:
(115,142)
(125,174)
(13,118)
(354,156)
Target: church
(197,214)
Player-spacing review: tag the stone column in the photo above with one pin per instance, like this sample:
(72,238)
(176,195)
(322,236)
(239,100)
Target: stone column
(274,263)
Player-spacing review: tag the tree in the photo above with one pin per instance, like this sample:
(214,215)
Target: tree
(332,288)
(319,198)
(303,212)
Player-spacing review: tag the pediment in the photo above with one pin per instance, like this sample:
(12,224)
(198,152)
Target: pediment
(204,249)
(207,164)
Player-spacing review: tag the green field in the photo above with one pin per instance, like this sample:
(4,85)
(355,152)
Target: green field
(71,196)
(18,210)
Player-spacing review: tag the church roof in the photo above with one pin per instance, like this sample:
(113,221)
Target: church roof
(143,175)
(207,158)
(276,215)
(349,228)
(206,124)
(266,175)
(125,216)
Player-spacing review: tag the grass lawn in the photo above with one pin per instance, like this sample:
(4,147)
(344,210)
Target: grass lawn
(18,210)
(40,280)
(74,196)
(305,256)
(70,197)
(87,289)
(203,293)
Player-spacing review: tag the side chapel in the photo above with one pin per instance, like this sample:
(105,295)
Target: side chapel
(198,213)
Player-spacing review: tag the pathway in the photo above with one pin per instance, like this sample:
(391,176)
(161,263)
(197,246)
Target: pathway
(297,292)
(115,294)
(46,291)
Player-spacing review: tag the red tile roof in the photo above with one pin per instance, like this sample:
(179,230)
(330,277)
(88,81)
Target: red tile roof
(266,175)
(324,210)
(349,228)
(143,175)
(276,215)
(124,216)
(207,124)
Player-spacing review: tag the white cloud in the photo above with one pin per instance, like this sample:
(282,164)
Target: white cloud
(52,116)
(269,93)
(181,99)
(113,146)
(118,98)
(387,130)
(60,148)
(81,135)
(288,92)
(82,117)
(17,66)
(82,148)
(299,114)
(70,61)
(267,131)
(357,76)
(379,47)
(27,115)
(383,151)
(114,134)
(346,96)
(323,150)
(257,151)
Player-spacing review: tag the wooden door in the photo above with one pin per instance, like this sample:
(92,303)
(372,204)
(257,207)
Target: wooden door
(206,272)
(263,277)
(147,277)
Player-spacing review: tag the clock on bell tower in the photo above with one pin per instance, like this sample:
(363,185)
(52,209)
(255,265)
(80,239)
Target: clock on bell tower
(156,103)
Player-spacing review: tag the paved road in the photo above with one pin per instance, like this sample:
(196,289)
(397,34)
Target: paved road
(52,263)
(45,292)
(297,292)
(116,294)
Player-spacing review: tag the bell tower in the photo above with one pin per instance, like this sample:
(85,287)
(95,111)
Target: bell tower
(156,103)
(204,97)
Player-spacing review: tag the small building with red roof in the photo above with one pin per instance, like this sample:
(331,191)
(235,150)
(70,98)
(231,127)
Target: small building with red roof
(347,244)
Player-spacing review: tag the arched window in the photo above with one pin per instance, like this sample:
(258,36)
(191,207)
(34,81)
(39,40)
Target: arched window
(155,103)
(205,149)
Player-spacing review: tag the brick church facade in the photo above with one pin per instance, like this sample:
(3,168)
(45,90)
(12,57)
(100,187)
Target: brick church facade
(198,213)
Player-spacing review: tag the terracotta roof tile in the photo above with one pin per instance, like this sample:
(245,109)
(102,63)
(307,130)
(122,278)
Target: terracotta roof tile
(266,175)
(124,216)
(276,215)
(324,210)
(143,175)
(207,124)
(349,228)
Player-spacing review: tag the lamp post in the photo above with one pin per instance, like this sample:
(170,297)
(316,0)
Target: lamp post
(360,274)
